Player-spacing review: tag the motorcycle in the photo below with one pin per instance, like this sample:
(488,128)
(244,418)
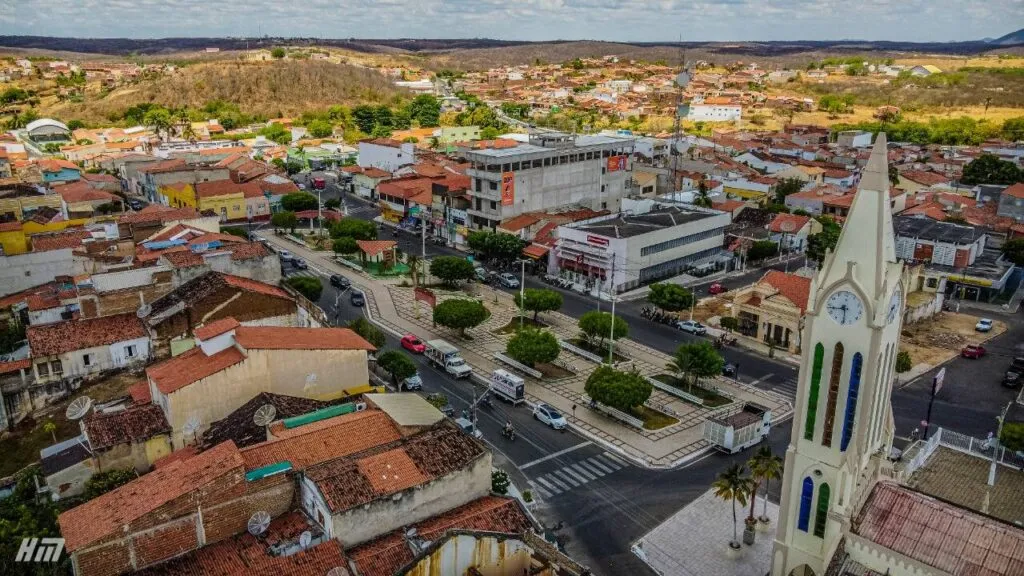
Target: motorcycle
(485,402)
(509,433)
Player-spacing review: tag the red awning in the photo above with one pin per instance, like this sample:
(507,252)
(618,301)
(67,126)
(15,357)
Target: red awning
(535,251)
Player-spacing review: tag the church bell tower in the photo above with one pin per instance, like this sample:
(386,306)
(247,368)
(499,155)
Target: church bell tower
(843,413)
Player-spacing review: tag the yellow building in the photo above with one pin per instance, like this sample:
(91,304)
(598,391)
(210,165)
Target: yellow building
(224,197)
(179,195)
(771,310)
(17,203)
(14,236)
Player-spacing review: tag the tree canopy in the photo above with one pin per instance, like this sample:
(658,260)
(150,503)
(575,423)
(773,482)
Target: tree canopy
(286,220)
(618,389)
(320,128)
(787,186)
(670,297)
(532,346)
(425,110)
(299,201)
(495,245)
(539,300)
(762,249)
(368,331)
(1014,250)
(451,269)
(697,360)
(598,326)
(103,482)
(818,244)
(990,169)
(459,314)
(397,363)
(309,287)
(354,228)
(345,245)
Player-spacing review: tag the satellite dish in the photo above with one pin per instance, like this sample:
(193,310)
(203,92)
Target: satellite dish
(264,415)
(338,571)
(144,311)
(259,522)
(191,426)
(79,408)
(305,538)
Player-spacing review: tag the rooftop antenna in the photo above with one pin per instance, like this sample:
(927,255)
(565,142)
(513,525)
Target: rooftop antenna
(78,408)
(264,415)
(682,80)
(259,522)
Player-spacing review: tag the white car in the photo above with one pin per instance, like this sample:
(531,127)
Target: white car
(508,280)
(692,326)
(550,416)
(285,255)
(983,325)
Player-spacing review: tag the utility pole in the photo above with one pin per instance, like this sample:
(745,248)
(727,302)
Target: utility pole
(998,444)
(611,295)
(522,292)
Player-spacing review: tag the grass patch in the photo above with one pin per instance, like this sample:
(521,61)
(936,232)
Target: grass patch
(513,325)
(553,372)
(653,420)
(599,350)
(396,269)
(711,398)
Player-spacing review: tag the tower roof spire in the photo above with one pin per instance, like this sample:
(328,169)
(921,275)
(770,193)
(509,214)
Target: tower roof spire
(867,237)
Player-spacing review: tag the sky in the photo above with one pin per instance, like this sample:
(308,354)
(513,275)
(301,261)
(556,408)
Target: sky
(614,20)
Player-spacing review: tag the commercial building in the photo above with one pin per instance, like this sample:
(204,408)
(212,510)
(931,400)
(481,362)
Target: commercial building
(552,170)
(926,240)
(642,248)
(386,154)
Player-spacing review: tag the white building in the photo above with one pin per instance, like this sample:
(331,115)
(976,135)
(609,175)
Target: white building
(386,154)
(701,112)
(75,349)
(854,139)
(642,248)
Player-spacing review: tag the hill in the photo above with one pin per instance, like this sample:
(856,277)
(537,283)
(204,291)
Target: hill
(263,89)
(1011,39)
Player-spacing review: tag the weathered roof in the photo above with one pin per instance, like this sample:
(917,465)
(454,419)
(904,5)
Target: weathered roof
(290,338)
(795,288)
(216,328)
(134,424)
(61,337)
(240,428)
(191,366)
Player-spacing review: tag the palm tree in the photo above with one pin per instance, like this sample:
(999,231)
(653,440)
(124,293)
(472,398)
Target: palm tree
(734,485)
(52,429)
(765,467)
(681,363)
(702,198)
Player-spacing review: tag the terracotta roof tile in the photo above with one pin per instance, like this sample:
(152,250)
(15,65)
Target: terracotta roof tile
(181,257)
(10,226)
(517,223)
(140,392)
(191,366)
(216,328)
(61,337)
(384,556)
(289,338)
(325,440)
(240,428)
(133,424)
(254,286)
(1016,191)
(788,223)
(216,188)
(71,238)
(795,288)
(109,513)
(176,456)
(374,247)
(81,191)
(15,366)
(158,213)
(925,178)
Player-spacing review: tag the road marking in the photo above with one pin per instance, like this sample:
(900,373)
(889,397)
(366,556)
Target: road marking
(551,488)
(761,379)
(544,493)
(567,477)
(551,478)
(591,468)
(555,455)
(583,471)
(596,463)
(575,475)
(615,459)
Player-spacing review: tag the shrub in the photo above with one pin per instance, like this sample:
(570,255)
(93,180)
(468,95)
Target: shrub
(459,314)
(903,362)
(620,390)
(532,346)
(309,287)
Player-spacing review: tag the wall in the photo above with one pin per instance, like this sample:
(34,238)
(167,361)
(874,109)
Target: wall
(18,205)
(137,455)
(126,300)
(23,271)
(386,158)
(71,480)
(489,555)
(227,206)
(706,112)
(363,523)
(102,358)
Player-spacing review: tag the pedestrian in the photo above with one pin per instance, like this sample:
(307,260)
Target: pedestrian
(573,410)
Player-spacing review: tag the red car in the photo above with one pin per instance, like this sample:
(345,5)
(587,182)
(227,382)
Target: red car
(413,344)
(972,351)
(716,288)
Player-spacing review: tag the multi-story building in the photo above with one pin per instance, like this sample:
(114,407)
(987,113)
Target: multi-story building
(945,243)
(552,170)
(386,154)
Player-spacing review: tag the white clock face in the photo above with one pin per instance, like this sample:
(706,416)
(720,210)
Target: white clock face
(844,307)
(895,303)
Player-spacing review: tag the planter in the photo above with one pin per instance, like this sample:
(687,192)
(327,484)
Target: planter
(764,524)
(734,550)
(749,532)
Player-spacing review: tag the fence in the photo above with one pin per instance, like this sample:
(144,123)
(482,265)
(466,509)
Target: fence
(924,451)
(674,391)
(663,408)
(517,365)
(348,264)
(613,412)
(567,366)
(981,448)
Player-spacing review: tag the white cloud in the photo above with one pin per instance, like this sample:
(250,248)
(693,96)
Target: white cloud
(624,20)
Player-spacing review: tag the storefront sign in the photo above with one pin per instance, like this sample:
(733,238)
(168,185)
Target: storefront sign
(597,240)
(616,163)
(508,188)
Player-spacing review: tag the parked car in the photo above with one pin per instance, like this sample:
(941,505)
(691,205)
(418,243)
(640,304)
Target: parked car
(1015,373)
(692,326)
(972,351)
(508,280)
(413,344)
(467,426)
(550,416)
(729,369)
(413,382)
(339,281)
(300,264)
(285,256)
(716,288)
(357,298)
(136,204)
(481,273)
(983,325)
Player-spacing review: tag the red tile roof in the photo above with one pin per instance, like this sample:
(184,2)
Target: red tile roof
(140,392)
(134,424)
(158,213)
(325,440)
(70,238)
(61,337)
(374,247)
(216,328)
(844,201)
(383,142)
(56,165)
(1016,191)
(788,223)
(191,366)
(795,288)
(176,456)
(216,188)
(289,338)
(925,178)
(10,226)
(951,539)
(15,366)
(368,171)
(110,513)
(81,191)
(517,223)
(387,554)
(254,286)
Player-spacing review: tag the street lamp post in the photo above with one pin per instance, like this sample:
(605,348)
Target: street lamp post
(522,292)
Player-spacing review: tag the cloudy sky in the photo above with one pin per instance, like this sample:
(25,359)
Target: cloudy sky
(625,20)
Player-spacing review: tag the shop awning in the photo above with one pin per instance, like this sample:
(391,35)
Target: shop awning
(535,251)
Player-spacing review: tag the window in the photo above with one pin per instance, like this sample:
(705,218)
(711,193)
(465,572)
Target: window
(821,513)
(812,397)
(677,242)
(932,282)
(87,359)
(493,185)
(494,205)
(477,185)
(130,351)
(806,496)
(604,205)
(56,367)
(851,400)
(602,187)
(833,395)
(43,369)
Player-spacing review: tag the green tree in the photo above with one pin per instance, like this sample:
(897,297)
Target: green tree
(495,246)
(820,243)
(1012,436)
(277,52)
(425,109)
(364,118)
(733,485)
(787,186)
(1014,250)
(670,297)
(1013,129)
(75,124)
(368,331)
(398,364)
(762,249)
(284,220)
(345,245)
(103,482)
(159,119)
(489,133)
(51,427)
(452,269)
(12,334)
(597,326)
(320,128)
(381,131)
(24,515)
(309,287)
(235,231)
(354,228)
(697,360)
(765,466)
(500,482)
(703,198)
(277,133)
(332,203)
(532,346)
(539,300)
(299,201)
(989,169)
(894,175)
(459,314)
(618,389)
(903,362)
(728,323)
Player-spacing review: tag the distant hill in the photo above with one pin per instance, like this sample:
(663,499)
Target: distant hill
(1011,39)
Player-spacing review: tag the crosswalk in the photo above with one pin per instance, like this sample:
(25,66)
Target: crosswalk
(577,474)
(786,387)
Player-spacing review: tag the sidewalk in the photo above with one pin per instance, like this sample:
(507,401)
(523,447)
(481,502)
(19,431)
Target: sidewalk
(393,308)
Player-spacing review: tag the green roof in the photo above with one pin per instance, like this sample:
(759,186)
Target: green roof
(263,472)
(317,415)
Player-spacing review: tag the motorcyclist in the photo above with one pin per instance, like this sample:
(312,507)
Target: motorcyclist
(508,431)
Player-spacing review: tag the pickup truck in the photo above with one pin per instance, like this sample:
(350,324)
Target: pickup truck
(443,355)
